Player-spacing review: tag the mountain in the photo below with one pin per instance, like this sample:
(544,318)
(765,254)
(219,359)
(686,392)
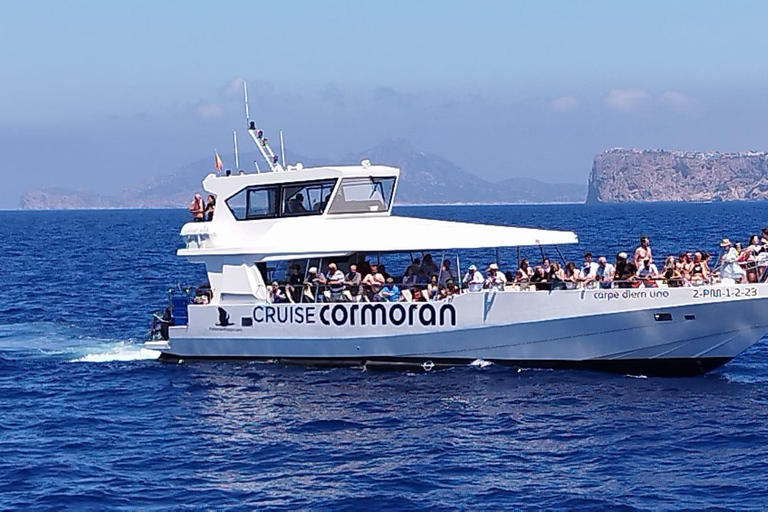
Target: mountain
(634,175)
(425,178)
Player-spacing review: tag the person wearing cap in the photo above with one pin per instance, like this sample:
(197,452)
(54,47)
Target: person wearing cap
(389,292)
(315,282)
(622,272)
(473,279)
(605,272)
(495,280)
(730,265)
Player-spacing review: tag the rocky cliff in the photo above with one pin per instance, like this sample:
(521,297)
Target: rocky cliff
(633,175)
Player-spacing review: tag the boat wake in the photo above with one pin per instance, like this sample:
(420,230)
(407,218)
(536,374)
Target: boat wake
(122,353)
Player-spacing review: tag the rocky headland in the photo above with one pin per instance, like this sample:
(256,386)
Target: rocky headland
(635,175)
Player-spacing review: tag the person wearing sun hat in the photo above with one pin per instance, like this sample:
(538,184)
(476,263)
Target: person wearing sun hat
(730,268)
(495,280)
(473,279)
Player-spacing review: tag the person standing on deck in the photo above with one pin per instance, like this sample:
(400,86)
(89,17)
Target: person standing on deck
(643,252)
(731,268)
(197,208)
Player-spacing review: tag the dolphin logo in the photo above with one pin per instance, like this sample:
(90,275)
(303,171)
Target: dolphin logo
(224,318)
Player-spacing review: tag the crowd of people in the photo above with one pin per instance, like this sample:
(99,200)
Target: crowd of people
(423,280)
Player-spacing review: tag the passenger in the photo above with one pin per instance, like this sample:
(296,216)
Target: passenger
(495,280)
(648,273)
(700,271)
(589,268)
(414,272)
(335,281)
(316,283)
(433,288)
(383,271)
(197,208)
(473,280)
(372,283)
(276,295)
(363,267)
(630,276)
(573,277)
(210,207)
(539,278)
(750,256)
(523,273)
(296,204)
(621,273)
(294,285)
(671,273)
(446,273)
(605,273)
(417,295)
(451,288)
(409,278)
(730,268)
(352,281)
(389,292)
(320,207)
(428,267)
(556,277)
(643,252)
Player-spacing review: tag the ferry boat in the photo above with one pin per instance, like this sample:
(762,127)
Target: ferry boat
(312,216)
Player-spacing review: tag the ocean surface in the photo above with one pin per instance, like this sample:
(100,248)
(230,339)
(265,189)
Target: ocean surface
(90,420)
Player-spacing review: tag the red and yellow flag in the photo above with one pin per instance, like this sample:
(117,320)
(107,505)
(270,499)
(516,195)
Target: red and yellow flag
(217,161)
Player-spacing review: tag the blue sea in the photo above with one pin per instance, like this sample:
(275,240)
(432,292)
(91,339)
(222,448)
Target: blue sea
(91,421)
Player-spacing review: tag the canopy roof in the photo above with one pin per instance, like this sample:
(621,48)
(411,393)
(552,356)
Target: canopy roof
(329,235)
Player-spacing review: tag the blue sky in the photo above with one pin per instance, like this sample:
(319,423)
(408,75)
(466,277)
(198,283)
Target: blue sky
(103,95)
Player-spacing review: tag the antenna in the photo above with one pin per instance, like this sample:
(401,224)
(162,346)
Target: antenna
(237,158)
(282,148)
(245,95)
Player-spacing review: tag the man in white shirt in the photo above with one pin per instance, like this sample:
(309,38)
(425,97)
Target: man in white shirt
(648,273)
(604,272)
(474,279)
(495,280)
(589,269)
(731,268)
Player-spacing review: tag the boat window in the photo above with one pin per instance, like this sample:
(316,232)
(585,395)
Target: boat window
(363,195)
(254,203)
(309,198)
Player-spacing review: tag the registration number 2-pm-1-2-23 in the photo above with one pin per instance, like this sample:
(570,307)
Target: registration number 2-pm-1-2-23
(716,293)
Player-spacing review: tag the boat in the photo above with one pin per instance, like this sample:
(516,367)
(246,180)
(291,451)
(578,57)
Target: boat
(266,222)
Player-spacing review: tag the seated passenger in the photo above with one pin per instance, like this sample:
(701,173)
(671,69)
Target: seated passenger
(334,279)
(495,280)
(648,273)
(539,278)
(352,281)
(605,272)
(556,277)
(321,206)
(276,295)
(473,280)
(295,204)
(389,292)
(433,288)
(524,271)
(417,294)
(383,271)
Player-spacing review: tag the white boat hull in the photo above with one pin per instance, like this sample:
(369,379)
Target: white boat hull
(650,331)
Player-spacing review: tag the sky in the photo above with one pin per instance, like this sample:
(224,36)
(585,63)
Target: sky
(102,96)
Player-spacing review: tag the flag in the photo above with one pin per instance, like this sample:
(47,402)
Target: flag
(217,161)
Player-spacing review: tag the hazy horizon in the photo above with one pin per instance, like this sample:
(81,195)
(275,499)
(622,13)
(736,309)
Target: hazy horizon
(103,96)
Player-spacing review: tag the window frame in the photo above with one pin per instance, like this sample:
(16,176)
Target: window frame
(279,190)
(339,194)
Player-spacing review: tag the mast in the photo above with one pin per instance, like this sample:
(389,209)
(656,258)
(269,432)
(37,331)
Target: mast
(237,158)
(259,139)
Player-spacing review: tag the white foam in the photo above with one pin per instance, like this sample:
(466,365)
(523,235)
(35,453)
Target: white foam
(480,363)
(122,353)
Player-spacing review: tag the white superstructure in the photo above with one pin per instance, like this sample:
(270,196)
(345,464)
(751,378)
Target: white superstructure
(313,216)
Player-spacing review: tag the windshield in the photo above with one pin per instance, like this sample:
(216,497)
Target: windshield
(363,195)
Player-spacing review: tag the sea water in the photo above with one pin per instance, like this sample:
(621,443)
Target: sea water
(91,420)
